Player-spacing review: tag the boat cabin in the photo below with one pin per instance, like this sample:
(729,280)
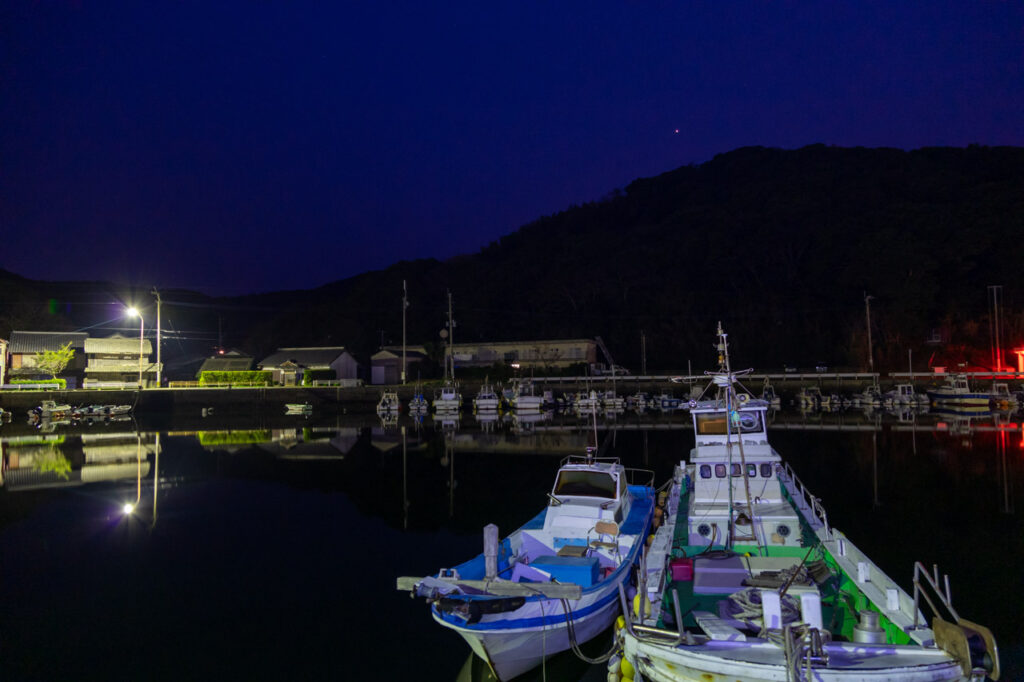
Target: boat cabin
(731,454)
(586,491)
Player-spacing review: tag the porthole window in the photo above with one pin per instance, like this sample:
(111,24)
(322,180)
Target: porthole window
(705,471)
(766,470)
(735,469)
(752,470)
(783,530)
(704,530)
(720,471)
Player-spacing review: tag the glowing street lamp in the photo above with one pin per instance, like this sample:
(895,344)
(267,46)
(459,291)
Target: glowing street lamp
(134,312)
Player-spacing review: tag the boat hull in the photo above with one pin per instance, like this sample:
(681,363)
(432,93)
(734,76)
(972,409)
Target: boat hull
(765,662)
(972,399)
(511,651)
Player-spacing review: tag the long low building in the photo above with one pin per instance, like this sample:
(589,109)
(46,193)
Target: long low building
(555,353)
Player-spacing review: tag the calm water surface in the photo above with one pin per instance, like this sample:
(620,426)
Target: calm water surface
(270,551)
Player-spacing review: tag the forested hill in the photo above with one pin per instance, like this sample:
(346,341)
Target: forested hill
(781,246)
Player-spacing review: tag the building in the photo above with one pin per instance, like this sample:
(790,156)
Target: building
(386,364)
(526,354)
(232,361)
(290,365)
(115,362)
(25,345)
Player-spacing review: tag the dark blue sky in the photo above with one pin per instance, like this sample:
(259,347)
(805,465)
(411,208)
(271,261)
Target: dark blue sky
(257,146)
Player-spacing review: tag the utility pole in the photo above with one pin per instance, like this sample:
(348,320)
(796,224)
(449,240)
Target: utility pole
(995,325)
(643,353)
(405,304)
(451,336)
(159,367)
(867,309)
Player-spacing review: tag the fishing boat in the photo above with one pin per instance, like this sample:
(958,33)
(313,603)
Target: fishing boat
(869,397)
(1001,397)
(956,391)
(523,398)
(417,403)
(486,399)
(588,403)
(447,398)
(298,408)
(50,409)
(388,403)
(552,584)
(904,394)
(769,395)
(748,580)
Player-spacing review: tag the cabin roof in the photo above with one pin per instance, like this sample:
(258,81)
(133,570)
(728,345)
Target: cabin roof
(37,342)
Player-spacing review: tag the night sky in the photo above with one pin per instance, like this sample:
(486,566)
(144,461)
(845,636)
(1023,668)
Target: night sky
(259,146)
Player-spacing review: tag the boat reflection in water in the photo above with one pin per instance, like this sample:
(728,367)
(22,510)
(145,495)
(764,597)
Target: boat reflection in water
(284,509)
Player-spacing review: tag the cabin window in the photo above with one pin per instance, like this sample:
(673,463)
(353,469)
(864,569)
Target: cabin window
(588,483)
(705,471)
(719,471)
(735,469)
(752,470)
(766,470)
(714,423)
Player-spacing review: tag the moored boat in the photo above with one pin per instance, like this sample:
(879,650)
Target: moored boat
(486,399)
(956,391)
(388,403)
(552,584)
(754,584)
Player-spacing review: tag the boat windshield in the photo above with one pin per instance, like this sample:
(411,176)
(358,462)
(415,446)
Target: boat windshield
(713,423)
(589,483)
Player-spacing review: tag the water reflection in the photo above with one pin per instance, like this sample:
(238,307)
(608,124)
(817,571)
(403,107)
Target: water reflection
(286,507)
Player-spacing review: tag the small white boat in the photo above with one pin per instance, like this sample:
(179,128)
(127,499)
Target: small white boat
(612,402)
(904,394)
(523,399)
(750,582)
(588,403)
(418,404)
(769,395)
(447,398)
(388,403)
(869,397)
(552,584)
(486,400)
(50,409)
(956,391)
(810,396)
(298,408)
(1001,397)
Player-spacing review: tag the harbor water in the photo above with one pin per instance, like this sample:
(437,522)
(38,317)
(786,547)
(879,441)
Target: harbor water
(268,551)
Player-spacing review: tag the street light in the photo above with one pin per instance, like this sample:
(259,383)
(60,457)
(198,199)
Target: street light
(134,312)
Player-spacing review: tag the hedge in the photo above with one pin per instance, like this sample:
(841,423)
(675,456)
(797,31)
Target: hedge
(249,378)
(243,437)
(63,383)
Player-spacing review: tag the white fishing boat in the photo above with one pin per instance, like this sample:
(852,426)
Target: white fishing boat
(417,403)
(389,403)
(811,396)
(486,400)
(298,408)
(523,398)
(447,398)
(612,402)
(957,391)
(50,409)
(552,584)
(749,581)
(869,397)
(904,394)
(769,395)
(1001,397)
(588,403)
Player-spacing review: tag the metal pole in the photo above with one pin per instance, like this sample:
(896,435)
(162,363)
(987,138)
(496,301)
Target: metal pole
(643,353)
(159,367)
(867,309)
(405,304)
(142,326)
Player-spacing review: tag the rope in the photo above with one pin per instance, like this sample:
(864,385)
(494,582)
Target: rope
(574,645)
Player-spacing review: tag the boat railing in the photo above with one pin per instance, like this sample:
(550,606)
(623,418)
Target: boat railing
(644,477)
(806,500)
(587,459)
(939,588)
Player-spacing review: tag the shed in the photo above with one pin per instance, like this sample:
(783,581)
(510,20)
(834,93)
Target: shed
(288,365)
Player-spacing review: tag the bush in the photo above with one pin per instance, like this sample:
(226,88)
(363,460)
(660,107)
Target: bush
(311,375)
(244,437)
(61,383)
(249,378)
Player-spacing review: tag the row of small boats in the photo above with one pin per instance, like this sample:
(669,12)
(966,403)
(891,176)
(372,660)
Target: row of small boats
(52,410)
(730,570)
(954,391)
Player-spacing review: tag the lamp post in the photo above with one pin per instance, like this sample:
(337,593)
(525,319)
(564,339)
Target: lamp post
(133,312)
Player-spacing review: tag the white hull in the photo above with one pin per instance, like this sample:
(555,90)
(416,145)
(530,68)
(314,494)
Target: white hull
(512,652)
(527,402)
(485,404)
(765,662)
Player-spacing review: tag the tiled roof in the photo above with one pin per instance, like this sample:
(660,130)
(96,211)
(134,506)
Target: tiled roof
(309,358)
(410,355)
(36,342)
(224,363)
(121,345)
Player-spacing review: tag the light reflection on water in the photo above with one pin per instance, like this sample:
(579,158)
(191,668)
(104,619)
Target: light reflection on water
(270,549)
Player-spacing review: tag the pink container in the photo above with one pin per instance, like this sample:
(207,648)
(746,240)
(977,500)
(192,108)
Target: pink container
(682,569)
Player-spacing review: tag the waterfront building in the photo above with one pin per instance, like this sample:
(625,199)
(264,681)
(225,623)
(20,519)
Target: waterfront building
(25,345)
(231,361)
(386,364)
(115,362)
(553,354)
(330,365)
